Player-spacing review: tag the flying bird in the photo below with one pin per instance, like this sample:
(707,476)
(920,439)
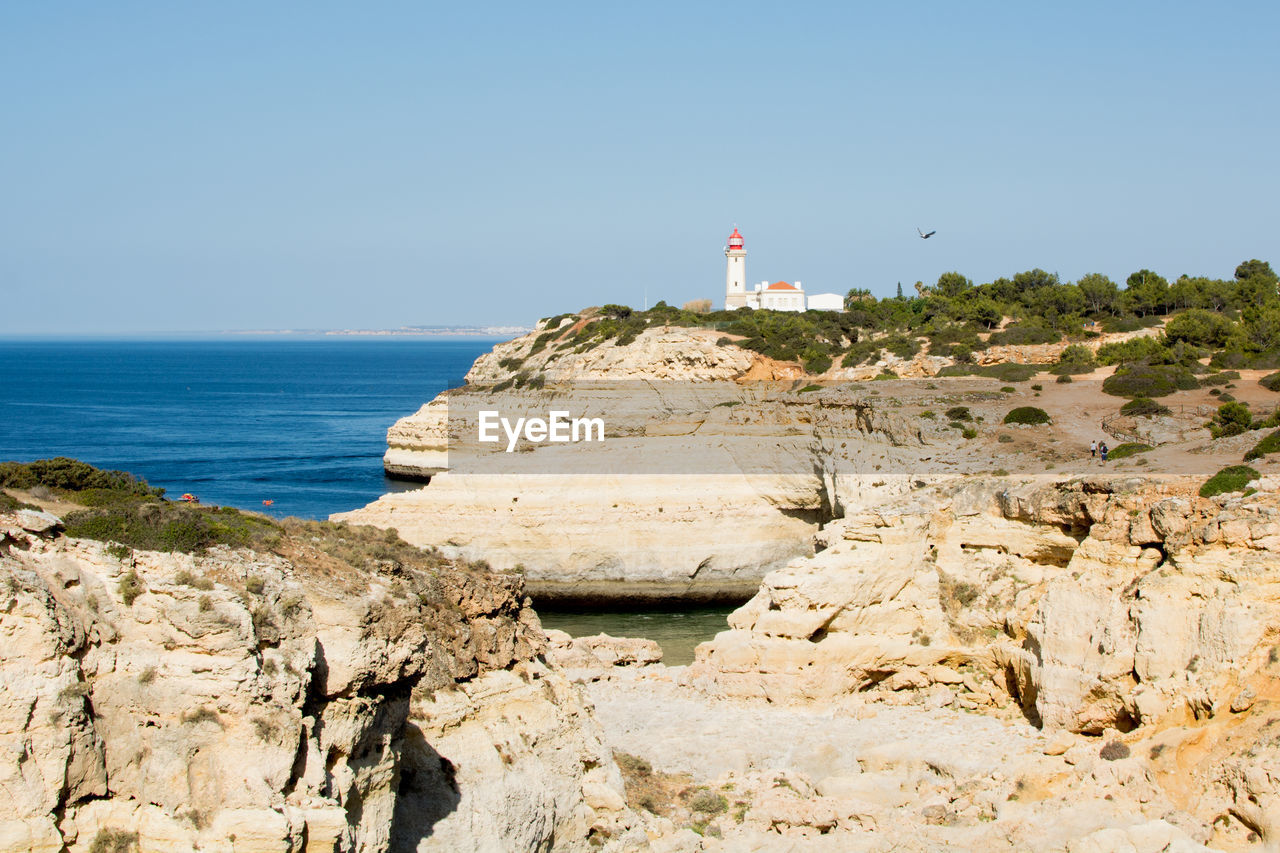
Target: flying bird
(924,236)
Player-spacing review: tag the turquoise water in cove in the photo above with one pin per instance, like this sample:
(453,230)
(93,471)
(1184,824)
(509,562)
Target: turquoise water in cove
(233,420)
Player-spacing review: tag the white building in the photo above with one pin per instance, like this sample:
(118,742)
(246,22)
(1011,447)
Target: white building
(826,302)
(779,296)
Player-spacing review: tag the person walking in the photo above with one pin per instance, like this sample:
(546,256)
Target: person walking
(1093,448)
(1102,451)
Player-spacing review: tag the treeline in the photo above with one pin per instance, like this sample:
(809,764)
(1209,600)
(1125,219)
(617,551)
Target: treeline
(1237,319)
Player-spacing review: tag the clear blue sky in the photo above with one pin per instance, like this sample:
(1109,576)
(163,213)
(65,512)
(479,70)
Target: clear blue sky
(178,166)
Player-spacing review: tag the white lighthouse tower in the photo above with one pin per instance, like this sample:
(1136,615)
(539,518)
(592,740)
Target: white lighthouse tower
(735,288)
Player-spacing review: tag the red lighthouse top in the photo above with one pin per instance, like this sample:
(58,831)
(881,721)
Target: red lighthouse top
(735,240)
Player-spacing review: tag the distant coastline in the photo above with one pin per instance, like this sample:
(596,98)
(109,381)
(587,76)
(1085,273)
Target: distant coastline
(403,331)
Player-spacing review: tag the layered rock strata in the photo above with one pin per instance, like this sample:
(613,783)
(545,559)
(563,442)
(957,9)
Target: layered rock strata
(245,701)
(1124,609)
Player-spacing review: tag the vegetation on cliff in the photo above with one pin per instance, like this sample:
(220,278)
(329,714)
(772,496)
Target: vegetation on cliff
(1235,320)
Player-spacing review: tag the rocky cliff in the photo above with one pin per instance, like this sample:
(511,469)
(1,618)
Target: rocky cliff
(321,697)
(1119,608)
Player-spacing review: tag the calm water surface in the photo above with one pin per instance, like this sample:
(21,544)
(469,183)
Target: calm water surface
(678,631)
(234,421)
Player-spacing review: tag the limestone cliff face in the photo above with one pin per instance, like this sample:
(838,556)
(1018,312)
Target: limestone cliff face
(1093,606)
(1096,603)
(699,489)
(241,701)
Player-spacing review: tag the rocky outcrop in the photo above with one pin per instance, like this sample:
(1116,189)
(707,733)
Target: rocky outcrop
(1094,604)
(681,463)
(251,701)
(1124,609)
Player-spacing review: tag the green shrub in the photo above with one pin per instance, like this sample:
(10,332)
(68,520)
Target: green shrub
(817,362)
(1230,419)
(1008,389)
(1064,378)
(1270,444)
(1074,359)
(181,528)
(1027,415)
(1005,372)
(969,432)
(1148,380)
(1219,378)
(902,347)
(130,587)
(1134,349)
(927,415)
(1024,333)
(1234,478)
(1143,407)
(959,413)
(708,802)
(72,475)
(1005,438)
(806,389)
(1271,381)
(1037,387)
(1131,448)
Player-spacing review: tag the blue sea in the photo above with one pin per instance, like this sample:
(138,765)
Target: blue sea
(233,420)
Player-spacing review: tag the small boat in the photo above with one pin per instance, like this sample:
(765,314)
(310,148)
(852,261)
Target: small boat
(190,498)
(268,502)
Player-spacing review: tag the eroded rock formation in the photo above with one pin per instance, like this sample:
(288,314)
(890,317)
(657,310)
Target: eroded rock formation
(251,702)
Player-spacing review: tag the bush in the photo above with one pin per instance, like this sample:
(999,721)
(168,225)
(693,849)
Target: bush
(1074,359)
(1027,415)
(72,475)
(1008,389)
(1064,378)
(1230,419)
(1134,349)
(817,363)
(1219,378)
(1270,444)
(1114,751)
(959,413)
(632,765)
(1143,407)
(902,347)
(1234,478)
(110,840)
(708,802)
(130,587)
(170,527)
(1024,333)
(1006,372)
(1131,448)
(1148,380)
(1271,381)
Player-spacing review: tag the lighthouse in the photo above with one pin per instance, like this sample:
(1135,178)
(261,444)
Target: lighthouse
(735,287)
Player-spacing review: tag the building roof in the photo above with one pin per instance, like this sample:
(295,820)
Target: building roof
(780,285)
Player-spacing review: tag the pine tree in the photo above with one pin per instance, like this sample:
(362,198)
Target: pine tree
(899,290)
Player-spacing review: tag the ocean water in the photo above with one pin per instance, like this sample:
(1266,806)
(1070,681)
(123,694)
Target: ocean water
(233,420)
